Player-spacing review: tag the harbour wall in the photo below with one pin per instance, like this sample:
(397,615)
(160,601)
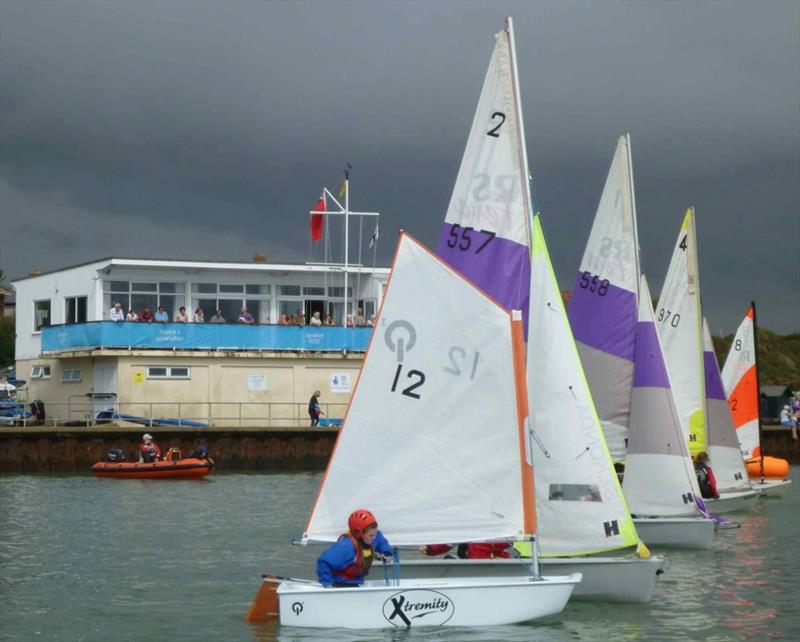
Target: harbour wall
(58,449)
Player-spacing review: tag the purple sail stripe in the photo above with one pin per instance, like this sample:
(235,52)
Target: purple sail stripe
(604,322)
(650,371)
(502,268)
(714,389)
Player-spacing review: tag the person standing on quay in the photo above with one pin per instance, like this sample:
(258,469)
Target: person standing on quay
(314,411)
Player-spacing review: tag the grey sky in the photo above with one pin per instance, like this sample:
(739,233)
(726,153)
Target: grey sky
(207,130)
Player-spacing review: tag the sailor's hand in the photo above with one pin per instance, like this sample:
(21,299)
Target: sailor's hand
(423,549)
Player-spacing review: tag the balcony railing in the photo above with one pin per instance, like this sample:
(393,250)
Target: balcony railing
(202,336)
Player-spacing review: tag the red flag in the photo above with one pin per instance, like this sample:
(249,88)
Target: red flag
(315,225)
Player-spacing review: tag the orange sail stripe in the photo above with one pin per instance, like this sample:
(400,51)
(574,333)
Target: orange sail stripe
(744,399)
(528,496)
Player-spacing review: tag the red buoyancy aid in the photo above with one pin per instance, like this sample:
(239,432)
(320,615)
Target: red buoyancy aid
(487,550)
(361,565)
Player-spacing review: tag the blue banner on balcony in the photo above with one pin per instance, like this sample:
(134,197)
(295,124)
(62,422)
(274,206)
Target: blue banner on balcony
(206,336)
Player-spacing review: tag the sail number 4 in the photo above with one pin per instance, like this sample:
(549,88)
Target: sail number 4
(593,283)
(463,241)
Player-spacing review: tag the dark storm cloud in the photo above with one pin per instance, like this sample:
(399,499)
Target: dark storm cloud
(204,130)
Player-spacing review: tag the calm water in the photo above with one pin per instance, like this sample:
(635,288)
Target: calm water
(96,560)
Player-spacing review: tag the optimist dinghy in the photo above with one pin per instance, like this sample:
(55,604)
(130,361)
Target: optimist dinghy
(442,391)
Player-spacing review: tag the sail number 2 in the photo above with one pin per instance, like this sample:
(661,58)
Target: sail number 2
(494,131)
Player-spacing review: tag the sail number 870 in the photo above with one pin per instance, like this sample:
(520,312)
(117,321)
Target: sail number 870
(664,317)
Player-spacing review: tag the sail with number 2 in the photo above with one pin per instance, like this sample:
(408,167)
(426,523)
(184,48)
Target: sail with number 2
(486,232)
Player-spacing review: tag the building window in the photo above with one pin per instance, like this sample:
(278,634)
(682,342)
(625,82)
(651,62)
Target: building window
(75,309)
(168,372)
(72,375)
(40,372)
(289,290)
(41,315)
(139,294)
(231,289)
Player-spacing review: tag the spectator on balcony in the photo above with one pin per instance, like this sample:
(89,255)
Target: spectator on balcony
(161,315)
(285,320)
(246,317)
(116,313)
(329,320)
(199,316)
(360,321)
(349,321)
(217,317)
(373,320)
(146,316)
(315,320)
(132,316)
(299,317)
(182,317)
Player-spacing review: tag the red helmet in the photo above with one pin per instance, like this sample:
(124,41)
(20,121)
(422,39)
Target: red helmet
(360,520)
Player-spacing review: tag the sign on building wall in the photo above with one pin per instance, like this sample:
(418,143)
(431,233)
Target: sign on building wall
(138,377)
(257,382)
(340,382)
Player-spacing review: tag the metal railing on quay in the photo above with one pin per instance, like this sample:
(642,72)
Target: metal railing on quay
(193,415)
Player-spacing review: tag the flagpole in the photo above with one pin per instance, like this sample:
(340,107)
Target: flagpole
(346,238)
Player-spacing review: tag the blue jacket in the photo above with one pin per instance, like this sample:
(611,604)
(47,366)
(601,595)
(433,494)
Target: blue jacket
(340,556)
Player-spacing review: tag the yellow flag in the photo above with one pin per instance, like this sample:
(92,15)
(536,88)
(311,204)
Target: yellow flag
(343,189)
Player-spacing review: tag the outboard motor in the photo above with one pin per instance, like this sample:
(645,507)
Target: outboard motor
(116,455)
(200,453)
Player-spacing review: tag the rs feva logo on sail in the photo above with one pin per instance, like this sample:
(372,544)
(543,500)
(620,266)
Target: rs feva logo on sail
(418,606)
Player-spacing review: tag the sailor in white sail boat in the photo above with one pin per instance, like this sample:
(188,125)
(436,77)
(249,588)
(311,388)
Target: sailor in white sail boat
(347,562)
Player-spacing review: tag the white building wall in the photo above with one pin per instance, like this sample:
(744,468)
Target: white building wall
(55,287)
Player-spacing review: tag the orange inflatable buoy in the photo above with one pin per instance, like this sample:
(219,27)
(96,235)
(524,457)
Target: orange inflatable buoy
(774,468)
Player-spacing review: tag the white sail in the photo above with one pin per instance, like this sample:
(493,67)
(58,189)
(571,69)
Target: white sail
(486,232)
(723,445)
(678,319)
(431,441)
(603,306)
(741,386)
(581,508)
(659,474)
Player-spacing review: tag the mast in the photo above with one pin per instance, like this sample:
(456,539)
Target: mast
(346,238)
(758,389)
(693,276)
(523,152)
(637,258)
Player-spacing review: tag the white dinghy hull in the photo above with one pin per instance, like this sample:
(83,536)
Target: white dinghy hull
(424,603)
(610,579)
(771,487)
(736,502)
(677,532)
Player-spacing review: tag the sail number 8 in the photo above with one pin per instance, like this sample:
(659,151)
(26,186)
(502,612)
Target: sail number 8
(593,283)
